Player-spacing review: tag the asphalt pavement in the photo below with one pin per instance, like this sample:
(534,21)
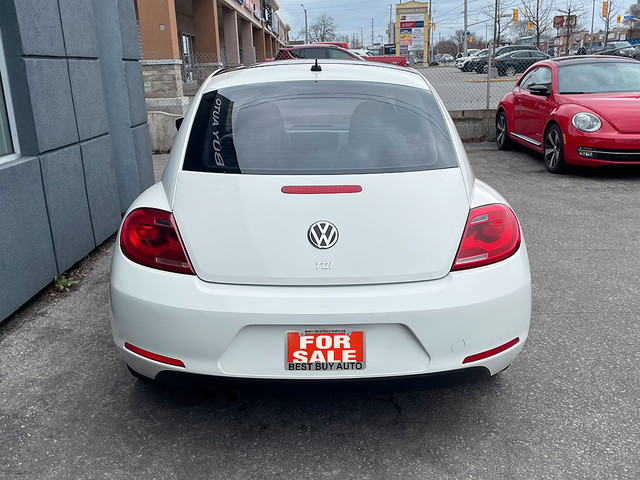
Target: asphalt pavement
(568,408)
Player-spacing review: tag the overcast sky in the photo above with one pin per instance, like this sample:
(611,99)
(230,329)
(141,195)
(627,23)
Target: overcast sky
(353,15)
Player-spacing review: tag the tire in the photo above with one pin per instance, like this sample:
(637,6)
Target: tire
(502,136)
(510,71)
(485,68)
(553,150)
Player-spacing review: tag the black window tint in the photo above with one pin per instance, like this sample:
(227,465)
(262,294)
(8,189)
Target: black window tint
(599,77)
(318,128)
(537,76)
(320,53)
(339,55)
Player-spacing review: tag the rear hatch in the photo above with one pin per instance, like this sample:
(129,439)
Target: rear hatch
(389,143)
(243,229)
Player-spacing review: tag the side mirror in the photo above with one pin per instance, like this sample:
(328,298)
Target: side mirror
(541,89)
(179,122)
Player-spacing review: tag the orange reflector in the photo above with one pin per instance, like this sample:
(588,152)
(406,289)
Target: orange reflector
(492,352)
(321,189)
(154,356)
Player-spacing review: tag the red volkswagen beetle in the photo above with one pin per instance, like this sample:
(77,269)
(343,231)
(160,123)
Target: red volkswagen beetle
(575,111)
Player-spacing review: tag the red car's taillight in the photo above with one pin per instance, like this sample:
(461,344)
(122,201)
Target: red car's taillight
(492,234)
(150,237)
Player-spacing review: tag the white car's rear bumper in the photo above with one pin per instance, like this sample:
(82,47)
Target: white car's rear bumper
(239,331)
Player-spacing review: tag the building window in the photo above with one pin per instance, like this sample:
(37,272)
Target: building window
(8,136)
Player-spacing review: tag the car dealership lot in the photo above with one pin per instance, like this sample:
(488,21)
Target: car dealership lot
(567,408)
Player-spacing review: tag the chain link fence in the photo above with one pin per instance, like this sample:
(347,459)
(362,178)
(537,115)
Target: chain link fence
(167,78)
(170,85)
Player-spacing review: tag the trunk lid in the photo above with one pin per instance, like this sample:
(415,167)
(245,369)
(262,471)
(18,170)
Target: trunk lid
(242,229)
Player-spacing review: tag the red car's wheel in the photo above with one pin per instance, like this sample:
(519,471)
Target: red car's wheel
(502,136)
(554,150)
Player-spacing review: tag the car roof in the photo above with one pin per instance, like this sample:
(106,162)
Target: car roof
(578,59)
(297,70)
(312,45)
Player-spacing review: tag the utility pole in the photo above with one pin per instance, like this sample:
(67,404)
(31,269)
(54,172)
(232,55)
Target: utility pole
(495,27)
(306,29)
(372,31)
(362,37)
(466,37)
(390,7)
(429,36)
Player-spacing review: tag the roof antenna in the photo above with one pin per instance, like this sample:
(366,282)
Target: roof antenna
(316,67)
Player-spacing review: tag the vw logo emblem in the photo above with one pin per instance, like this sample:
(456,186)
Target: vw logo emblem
(322,234)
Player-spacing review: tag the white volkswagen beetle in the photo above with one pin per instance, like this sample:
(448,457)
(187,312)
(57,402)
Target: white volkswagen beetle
(319,221)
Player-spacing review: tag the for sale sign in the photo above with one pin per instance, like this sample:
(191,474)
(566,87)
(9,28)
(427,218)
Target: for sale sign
(330,349)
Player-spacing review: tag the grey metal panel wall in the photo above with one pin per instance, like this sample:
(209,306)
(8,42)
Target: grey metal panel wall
(27,261)
(79,107)
(117,88)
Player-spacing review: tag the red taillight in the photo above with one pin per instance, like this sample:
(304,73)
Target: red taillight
(492,234)
(492,352)
(320,189)
(154,356)
(149,237)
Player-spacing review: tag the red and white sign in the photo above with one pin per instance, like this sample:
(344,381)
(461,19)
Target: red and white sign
(407,24)
(325,350)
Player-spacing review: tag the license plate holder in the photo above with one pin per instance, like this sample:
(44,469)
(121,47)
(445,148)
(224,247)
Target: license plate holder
(324,350)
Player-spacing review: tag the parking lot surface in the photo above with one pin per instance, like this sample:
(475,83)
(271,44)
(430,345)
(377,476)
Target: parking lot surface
(566,409)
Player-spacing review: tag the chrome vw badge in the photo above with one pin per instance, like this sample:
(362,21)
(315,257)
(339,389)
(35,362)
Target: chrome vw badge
(323,234)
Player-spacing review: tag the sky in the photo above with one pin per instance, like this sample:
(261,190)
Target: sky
(353,15)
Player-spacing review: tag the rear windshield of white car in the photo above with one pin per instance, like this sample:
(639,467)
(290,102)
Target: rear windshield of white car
(599,77)
(291,128)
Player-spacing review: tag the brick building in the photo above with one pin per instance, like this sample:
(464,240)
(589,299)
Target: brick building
(183,41)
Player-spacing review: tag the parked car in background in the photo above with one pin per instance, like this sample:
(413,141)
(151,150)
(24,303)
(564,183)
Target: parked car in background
(481,64)
(363,52)
(463,62)
(333,52)
(318,51)
(444,58)
(319,221)
(518,61)
(470,52)
(575,111)
(344,45)
(623,49)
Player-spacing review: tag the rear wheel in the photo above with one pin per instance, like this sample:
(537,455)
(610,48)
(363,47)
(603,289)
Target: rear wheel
(554,149)
(502,135)
(485,68)
(510,71)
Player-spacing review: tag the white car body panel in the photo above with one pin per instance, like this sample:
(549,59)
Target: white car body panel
(417,316)
(243,229)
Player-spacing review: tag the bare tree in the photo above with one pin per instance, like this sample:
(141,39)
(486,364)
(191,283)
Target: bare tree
(633,23)
(447,46)
(520,29)
(458,39)
(355,41)
(323,29)
(608,19)
(500,24)
(573,10)
(539,13)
